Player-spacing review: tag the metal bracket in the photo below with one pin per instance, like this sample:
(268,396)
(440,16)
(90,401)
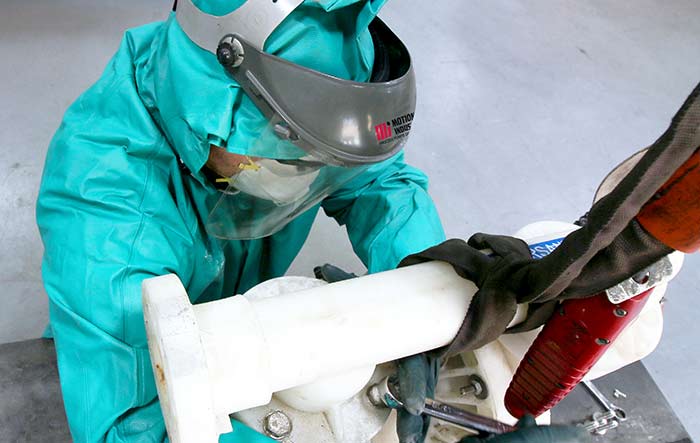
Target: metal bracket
(652,276)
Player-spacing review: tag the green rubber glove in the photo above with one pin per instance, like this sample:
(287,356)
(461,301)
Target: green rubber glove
(417,380)
(529,432)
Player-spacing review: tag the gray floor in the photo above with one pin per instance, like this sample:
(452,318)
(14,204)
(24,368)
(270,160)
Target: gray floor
(524,107)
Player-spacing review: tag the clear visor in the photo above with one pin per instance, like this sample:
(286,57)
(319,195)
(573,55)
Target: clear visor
(265,194)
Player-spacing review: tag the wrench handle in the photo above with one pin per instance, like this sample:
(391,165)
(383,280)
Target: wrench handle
(465,419)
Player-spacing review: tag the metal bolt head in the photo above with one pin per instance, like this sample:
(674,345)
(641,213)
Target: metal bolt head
(375,397)
(619,394)
(467,390)
(230,52)
(282,131)
(619,312)
(277,425)
(476,387)
(225,54)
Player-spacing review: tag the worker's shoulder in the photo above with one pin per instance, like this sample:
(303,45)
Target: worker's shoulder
(108,136)
(136,52)
(112,111)
(128,71)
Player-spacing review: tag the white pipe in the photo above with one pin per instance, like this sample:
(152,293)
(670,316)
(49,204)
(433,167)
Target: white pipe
(242,351)
(221,357)
(328,330)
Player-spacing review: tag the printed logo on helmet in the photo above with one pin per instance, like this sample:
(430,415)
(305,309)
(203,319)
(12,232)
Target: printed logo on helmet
(383,131)
(398,127)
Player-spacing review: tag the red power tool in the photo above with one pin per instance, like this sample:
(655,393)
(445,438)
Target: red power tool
(580,331)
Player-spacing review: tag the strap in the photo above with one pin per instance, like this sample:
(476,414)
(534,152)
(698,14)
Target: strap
(614,212)
(610,247)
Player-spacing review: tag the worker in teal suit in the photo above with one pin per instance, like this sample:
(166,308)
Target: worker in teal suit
(173,162)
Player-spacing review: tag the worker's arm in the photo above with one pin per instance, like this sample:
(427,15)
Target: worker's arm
(99,246)
(100,243)
(388,214)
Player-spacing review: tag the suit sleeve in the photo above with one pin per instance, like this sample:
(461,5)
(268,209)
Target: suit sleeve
(388,214)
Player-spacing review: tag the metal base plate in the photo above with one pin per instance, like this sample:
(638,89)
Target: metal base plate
(650,417)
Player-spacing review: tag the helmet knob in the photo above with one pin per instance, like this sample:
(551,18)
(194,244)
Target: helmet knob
(230,53)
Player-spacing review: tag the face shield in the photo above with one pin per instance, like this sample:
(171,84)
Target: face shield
(342,126)
(268,193)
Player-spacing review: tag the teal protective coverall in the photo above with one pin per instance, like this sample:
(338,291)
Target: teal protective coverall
(123,198)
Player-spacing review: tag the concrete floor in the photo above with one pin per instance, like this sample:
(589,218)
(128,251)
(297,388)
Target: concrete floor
(524,107)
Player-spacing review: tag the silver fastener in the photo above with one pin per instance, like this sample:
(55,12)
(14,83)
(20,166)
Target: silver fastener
(619,312)
(277,425)
(230,52)
(282,131)
(476,387)
(374,396)
(619,394)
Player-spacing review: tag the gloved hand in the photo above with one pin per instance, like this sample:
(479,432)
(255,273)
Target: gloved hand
(529,432)
(508,276)
(417,380)
(332,274)
(494,305)
(418,373)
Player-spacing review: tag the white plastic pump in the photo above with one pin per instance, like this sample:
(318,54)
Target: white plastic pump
(222,357)
(314,345)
